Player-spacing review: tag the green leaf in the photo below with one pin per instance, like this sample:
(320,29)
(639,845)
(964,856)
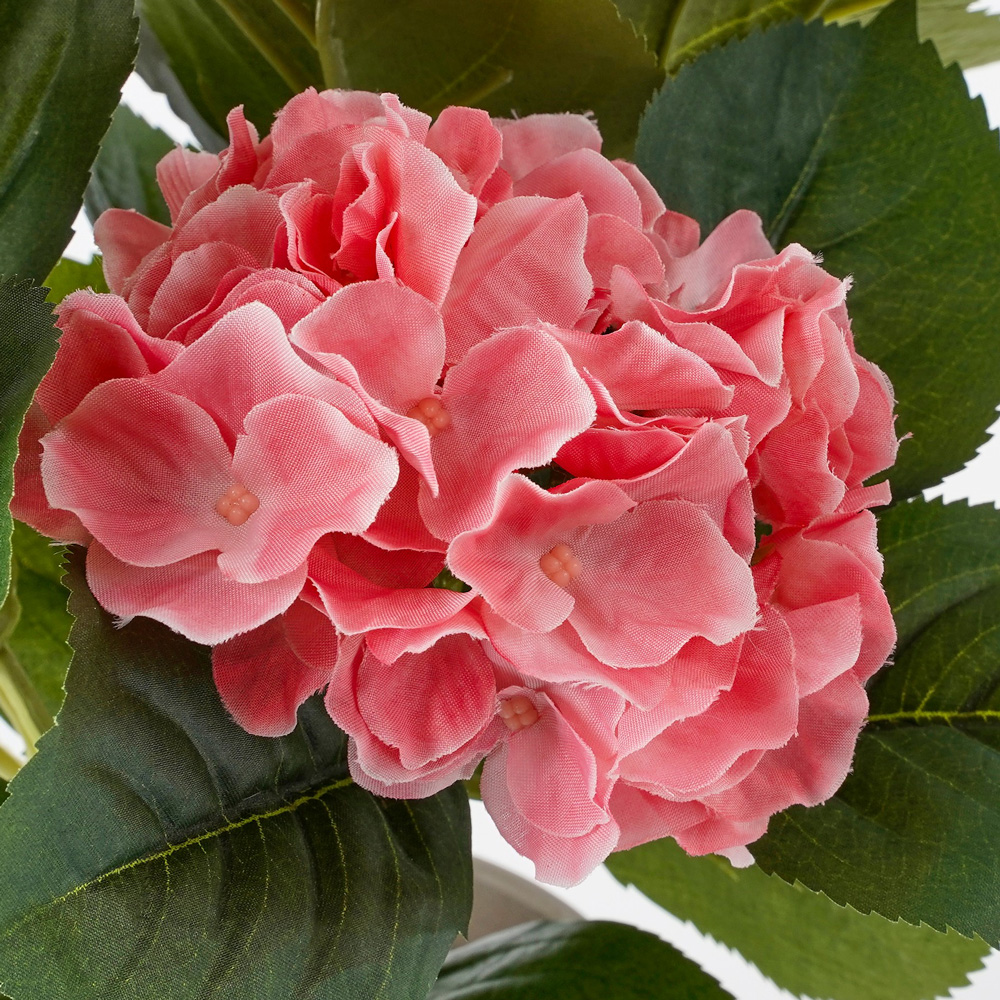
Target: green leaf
(27,347)
(913,831)
(572,961)
(69,275)
(153,849)
(39,638)
(801,939)
(507,56)
(857,144)
(62,63)
(124,174)
(231,52)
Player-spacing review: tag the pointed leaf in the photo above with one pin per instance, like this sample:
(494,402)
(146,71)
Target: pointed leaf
(857,144)
(27,347)
(124,174)
(62,63)
(251,52)
(507,56)
(69,275)
(801,939)
(913,831)
(152,848)
(572,961)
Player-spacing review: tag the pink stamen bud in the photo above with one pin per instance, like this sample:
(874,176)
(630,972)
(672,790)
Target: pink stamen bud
(518,712)
(431,414)
(560,565)
(237,504)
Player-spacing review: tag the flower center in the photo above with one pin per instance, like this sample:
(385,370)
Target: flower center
(518,712)
(431,414)
(236,504)
(560,565)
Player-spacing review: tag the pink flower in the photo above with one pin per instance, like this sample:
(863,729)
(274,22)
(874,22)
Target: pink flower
(458,424)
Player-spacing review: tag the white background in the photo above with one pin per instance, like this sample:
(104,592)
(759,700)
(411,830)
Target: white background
(600,896)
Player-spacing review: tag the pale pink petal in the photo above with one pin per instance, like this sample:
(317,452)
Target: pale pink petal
(142,469)
(513,401)
(536,139)
(313,472)
(524,262)
(191,597)
(264,675)
(649,199)
(125,237)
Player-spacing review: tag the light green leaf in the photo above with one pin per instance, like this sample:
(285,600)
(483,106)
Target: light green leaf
(62,63)
(857,144)
(913,831)
(801,939)
(69,275)
(27,347)
(230,52)
(590,960)
(153,849)
(124,174)
(507,56)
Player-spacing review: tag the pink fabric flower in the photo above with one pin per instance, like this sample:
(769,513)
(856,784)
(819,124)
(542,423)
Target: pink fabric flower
(458,424)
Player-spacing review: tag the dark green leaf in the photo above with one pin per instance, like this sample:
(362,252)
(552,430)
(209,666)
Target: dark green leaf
(62,63)
(594,960)
(39,638)
(857,144)
(124,174)
(508,56)
(801,939)
(913,831)
(153,849)
(27,347)
(230,52)
(69,275)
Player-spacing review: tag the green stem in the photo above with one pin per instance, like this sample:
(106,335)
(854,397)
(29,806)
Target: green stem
(849,8)
(20,702)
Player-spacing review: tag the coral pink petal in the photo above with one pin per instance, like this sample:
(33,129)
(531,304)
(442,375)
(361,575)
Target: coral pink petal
(536,139)
(357,604)
(643,596)
(501,560)
(605,190)
(393,337)
(826,639)
(489,437)
(398,523)
(241,215)
(182,171)
(142,469)
(313,472)
(264,675)
(191,596)
(760,711)
(697,278)
(429,704)
(468,143)
(388,644)
(652,204)
(643,370)
(643,816)
(612,242)
(524,262)
(125,237)
(245,360)
(191,283)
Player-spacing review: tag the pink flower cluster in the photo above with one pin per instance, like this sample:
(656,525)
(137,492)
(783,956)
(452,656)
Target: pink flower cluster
(458,423)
